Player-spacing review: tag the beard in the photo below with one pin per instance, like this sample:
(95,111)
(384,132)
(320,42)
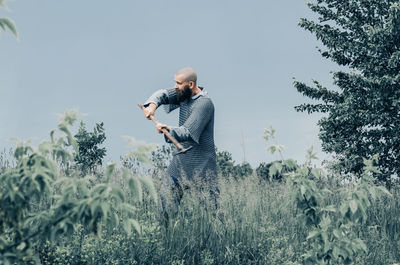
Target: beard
(183,95)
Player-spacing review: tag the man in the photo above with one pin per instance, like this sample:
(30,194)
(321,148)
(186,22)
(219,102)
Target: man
(196,129)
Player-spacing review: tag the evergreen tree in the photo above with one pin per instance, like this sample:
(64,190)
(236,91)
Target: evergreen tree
(363,111)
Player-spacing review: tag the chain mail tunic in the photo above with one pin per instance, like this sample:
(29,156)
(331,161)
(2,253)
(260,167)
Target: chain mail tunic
(196,129)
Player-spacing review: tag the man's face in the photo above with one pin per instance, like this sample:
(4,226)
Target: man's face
(183,88)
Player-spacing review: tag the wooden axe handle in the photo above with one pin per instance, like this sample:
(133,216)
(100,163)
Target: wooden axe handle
(176,143)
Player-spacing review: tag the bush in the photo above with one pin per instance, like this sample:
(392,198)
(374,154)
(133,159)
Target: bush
(90,155)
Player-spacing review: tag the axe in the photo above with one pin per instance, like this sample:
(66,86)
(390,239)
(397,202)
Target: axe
(181,150)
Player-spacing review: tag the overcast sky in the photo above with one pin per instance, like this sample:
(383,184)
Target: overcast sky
(104,57)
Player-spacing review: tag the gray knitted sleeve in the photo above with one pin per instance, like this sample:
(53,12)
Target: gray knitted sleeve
(166,97)
(201,115)
(181,134)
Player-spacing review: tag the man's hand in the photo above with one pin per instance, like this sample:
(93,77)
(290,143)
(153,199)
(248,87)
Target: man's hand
(149,110)
(160,127)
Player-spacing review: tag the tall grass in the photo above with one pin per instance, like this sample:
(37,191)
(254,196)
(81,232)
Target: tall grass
(255,223)
(7,159)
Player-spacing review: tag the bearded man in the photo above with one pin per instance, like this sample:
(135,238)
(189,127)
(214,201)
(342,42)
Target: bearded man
(196,129)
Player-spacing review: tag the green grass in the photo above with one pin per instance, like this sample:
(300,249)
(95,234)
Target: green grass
(255,223)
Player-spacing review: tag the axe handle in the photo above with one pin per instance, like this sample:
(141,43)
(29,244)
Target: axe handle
(173,140)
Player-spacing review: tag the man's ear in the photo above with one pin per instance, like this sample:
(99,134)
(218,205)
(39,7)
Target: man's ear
(191,84)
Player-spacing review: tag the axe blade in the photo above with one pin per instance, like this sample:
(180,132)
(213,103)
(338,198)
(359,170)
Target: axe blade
(183,150)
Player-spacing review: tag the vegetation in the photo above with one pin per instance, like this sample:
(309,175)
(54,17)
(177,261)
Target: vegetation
(276,170)
(307,217)
(7,23)
(60,205)
(226,166)
(90,154)
(363,110)
(39,203)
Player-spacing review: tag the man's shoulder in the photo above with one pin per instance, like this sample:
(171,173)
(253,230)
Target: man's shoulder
(204,101)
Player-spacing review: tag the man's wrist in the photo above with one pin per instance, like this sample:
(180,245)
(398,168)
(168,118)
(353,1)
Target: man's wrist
(153,106)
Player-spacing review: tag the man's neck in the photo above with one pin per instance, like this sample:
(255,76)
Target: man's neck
(196,91)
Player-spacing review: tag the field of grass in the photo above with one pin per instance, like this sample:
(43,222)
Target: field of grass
(256,223)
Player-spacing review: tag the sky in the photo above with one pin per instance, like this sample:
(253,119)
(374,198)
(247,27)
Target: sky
(104,57)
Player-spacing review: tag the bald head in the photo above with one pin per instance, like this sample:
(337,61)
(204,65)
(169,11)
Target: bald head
(188,73)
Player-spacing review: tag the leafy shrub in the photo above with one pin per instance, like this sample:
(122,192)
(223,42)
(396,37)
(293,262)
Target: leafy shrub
(362,111)
(90,154)
(275,170)
(333,239)
(38,203)
(226,166)
(7,23)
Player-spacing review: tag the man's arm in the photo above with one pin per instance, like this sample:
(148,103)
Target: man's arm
(160,97)
(181,134)
(149,110)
